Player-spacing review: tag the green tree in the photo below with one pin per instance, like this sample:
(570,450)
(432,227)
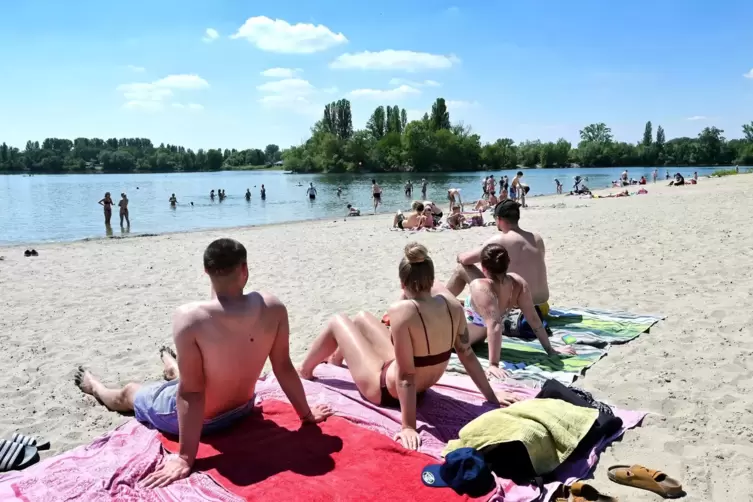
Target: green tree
(748,132)
(376,123)
(647,135)
(596,133)
(440,117)
(271,154)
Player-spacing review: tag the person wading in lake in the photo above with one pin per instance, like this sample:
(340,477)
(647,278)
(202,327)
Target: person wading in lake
(107,203)
(376,194)
(173,201)
(263,193)
(123,204)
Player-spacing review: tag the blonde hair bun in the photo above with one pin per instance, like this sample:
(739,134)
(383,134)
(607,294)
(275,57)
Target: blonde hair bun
(416,253)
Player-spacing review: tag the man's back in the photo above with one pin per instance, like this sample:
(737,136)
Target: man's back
(234,338)
(527,259)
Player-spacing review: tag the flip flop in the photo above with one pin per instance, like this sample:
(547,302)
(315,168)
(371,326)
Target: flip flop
(641,477)
(15,456)
(580,492)
(30,441)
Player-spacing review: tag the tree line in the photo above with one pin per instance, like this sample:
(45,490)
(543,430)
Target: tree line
(387,143)
(125,155)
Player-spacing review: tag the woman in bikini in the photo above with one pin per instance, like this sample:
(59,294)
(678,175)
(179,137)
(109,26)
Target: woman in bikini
(107,203)
(490,301)
(391,367)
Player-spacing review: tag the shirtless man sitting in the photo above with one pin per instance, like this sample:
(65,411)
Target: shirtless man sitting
(222,346)
(413,221)
(526,251)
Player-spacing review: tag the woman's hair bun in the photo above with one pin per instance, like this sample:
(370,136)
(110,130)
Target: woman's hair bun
(416,253)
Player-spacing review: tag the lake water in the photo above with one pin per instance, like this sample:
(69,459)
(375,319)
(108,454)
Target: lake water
(45,208)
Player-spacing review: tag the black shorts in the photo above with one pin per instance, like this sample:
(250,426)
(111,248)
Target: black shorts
(312,196)
(378,196)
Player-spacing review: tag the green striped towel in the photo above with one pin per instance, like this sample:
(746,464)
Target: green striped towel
(594,331)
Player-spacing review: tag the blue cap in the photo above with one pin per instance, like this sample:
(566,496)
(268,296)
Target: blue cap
(464,470)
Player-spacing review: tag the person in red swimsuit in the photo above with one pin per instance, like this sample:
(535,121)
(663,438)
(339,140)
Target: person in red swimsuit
(391,367)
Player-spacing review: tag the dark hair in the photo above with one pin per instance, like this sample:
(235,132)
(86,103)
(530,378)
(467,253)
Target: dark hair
(349,206)
(495,260)
(520,173)
(416,269)
(418,206)
(373,181)
(223,256)
(508,210)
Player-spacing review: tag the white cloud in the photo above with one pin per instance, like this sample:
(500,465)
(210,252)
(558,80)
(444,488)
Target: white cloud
(288,86)
(136,69)
(749,74)
(400,92)
(452,10)
(277,35)
(394,60)
(425,83)
(152,95)
(190,106)
(210,35)
(696,117)
(281,72)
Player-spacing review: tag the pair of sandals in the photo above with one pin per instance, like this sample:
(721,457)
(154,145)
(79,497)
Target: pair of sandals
(635,476)
(20,452)
(32,252)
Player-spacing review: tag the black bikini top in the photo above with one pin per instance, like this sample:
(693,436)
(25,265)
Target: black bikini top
(434,359)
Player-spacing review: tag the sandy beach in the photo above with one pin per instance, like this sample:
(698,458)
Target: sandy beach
(681,252)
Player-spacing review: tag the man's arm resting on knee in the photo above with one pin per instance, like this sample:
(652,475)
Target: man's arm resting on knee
(282,366)
(190,397)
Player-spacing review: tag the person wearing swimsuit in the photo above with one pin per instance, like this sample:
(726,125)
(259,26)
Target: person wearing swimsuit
(391,367)
(107,203)
(492,298)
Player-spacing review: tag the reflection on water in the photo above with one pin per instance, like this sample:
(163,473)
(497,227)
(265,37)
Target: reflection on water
(65,207)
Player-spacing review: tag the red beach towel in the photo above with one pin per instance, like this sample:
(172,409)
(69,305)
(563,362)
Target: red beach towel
(269,456)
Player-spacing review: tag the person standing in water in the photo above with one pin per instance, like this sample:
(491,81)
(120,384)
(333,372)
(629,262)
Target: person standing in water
(173,201)
(107,203)
(311,191)
(211,195)
(424,185)
(339,191)
(655,174)
(248,194)
(123,204)
(263,193)
(376,194)
(408,188)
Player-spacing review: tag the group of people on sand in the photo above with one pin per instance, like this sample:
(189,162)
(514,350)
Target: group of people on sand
(424,214)
(222,344)
(107,203)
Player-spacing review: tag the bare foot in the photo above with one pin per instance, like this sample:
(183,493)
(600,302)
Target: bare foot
(305,374)
(84,381)
(169,359)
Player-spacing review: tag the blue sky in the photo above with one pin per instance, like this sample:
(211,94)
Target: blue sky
(525,70)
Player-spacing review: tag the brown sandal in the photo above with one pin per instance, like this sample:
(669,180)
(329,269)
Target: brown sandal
(638,476)
(581,492)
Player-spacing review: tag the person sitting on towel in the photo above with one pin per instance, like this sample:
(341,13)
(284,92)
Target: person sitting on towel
(222,346)
(456,220)
(392,367)
(491,300)
(525,249)
(414,220)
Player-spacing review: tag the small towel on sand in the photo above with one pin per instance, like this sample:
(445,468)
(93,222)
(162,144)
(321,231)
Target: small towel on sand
(550,430)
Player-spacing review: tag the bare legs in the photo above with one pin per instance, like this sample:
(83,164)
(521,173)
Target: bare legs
(121,400)
(365,353)
(375,332)
(462,276)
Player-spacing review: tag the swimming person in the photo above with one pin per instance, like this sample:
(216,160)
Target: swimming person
(174,201)
(263,193)
(311,191)
(222,346)
(248,194)
(376,194)
(492,298)
(393,367)
(123,204)
(526,251)
(107,203)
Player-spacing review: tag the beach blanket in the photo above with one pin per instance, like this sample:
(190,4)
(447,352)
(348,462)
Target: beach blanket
(447,407)
(269,456)
(593,330)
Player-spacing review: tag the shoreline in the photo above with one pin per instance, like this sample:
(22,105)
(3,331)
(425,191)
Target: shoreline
(42,244)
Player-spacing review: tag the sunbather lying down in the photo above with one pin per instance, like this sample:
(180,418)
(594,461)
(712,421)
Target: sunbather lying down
(393,367)
(225,339)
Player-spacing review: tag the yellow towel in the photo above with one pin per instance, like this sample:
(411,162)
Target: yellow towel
(550,429)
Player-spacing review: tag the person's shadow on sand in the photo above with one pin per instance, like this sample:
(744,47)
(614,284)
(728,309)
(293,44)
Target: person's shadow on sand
(256,449)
